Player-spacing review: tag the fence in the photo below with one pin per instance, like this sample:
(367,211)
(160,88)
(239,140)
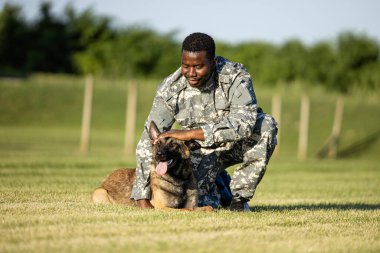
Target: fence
(328,150)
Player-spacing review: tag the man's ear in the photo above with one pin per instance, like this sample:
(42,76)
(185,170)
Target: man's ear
(214,62)
(192,145)
(153,131)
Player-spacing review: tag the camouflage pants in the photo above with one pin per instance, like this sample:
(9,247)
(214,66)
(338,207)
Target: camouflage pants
(252,154)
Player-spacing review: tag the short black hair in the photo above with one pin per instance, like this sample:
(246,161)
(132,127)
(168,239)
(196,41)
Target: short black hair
(196,42)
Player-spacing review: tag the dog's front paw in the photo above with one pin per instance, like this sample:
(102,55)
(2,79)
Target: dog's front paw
(204,209)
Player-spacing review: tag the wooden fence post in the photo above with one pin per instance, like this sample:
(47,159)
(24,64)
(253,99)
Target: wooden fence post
(339,108)
(276,113)
(304,128)
(330,148)
(86,115)
(130,119)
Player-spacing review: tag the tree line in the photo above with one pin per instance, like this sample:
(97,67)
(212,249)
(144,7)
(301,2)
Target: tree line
(83,42)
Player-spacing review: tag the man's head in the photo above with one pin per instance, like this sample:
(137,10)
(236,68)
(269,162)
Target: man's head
(197,42)
(198,53)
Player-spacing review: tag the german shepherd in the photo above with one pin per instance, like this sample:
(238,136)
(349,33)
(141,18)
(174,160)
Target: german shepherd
(172,181)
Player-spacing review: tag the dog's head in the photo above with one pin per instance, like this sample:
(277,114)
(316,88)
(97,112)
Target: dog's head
(169,154)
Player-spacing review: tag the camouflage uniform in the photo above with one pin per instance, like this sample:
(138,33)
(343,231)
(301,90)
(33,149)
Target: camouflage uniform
(235,130)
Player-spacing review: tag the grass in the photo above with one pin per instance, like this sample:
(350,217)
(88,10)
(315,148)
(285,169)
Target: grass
(299,207)
(309,206)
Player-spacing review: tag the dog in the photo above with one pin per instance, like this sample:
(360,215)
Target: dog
(172,181)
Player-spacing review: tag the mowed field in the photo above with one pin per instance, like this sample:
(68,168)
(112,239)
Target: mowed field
(316,205)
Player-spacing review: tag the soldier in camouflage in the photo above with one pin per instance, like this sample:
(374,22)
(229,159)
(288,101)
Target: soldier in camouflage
(213,101)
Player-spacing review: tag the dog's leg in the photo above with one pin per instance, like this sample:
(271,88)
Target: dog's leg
(185,209)
(174,209)
(100,196)
(192,199)
(196,209)
(192,202)
(161,206)
(204,209)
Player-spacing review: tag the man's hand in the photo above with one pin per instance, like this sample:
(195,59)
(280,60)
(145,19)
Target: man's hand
(184,135)
(144,203)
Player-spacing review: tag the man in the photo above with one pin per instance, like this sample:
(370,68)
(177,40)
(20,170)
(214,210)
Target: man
(213,101)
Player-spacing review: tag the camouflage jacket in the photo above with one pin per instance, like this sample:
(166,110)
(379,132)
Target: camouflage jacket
(225,108)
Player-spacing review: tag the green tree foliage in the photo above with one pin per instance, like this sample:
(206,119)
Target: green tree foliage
(358,56)
(47,35)
(49,43)
(13,37)
(83,29)
(320,60)
(134,52)
(80,43)
(86,32)
(292,56)
(258,57)
(350,61)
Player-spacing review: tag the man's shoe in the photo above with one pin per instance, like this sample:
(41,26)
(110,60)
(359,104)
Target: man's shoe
(246,207)
(239,205)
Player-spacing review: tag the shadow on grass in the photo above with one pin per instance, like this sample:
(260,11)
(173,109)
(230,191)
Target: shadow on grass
(360,146)
(316,207)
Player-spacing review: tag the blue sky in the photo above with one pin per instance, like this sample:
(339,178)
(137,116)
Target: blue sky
(236,20)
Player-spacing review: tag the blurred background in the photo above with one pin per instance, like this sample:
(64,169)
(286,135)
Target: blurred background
(326,51)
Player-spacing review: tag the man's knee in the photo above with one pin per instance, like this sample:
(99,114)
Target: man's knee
(269,125)
(265,141)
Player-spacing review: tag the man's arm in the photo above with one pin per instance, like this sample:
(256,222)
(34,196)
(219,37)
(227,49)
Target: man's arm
(237,125)
(162,116)
(185,135)
(240,121)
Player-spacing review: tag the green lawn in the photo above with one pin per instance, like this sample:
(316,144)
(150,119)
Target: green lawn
(329,206)
(310,206)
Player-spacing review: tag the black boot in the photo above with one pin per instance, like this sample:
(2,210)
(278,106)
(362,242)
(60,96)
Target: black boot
(239,205)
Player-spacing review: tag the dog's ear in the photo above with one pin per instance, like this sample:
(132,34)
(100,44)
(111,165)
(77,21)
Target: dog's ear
(192,145)
(153,131)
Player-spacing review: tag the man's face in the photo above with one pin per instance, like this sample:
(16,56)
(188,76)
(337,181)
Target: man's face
(196,67)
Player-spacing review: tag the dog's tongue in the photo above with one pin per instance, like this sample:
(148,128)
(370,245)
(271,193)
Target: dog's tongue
(161,168)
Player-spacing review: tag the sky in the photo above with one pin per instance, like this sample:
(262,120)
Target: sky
(234,21)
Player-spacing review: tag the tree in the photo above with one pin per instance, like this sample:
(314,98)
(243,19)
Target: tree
(136,52)
(355,53)
(258,57)
(88,43)
(84,29)
(291,57)
(13,41)
(321,63)
(49,51)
